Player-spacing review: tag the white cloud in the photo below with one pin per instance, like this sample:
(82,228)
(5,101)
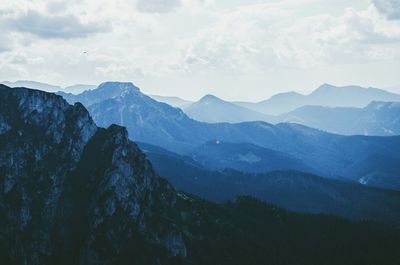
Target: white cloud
(49,26)
(224,44)
(54,7)
(239,41)
(258,37)
(354,37)
(119,72)
(157,6)
(390,8)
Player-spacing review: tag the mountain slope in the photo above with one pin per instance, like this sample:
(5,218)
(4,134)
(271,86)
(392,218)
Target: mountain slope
(173,101)
(104,91)
(326,95)
(212,109)
(277,104)
(33,85)
(78,88)
(74,89)
(378,118)
(160,124)
(73,193)
(217,155)
(250,232)
(68,188)
(289,189)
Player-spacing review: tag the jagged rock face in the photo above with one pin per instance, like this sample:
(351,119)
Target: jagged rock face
(127,200)
(42,141)
(71,193)
(104,91)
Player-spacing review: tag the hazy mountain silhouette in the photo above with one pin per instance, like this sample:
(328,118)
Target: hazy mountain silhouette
(217,155)
(173,101)
(378,118)
(157,123)
(74,89)
(33,85)
(212,109)
(289,189)
(326,95)
(78,88)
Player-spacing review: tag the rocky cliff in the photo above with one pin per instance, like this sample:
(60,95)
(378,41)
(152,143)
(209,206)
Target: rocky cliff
(73,193)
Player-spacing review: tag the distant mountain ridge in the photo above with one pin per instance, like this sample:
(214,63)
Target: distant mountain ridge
(74,89)
(293,190)
(212,109)
(377,118)
(106,90)
(78,88)
(333,109)
(157,123)
(326,95)
(218,155)
(173,101)
(34,85)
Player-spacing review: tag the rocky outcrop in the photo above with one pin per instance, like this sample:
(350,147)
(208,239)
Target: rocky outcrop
(72,193)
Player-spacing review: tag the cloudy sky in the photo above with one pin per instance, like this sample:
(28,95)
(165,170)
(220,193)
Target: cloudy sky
(235,49)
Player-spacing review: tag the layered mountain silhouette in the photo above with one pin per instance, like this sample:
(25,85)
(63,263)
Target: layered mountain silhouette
(33,85)
(328,108)
(173,101)
(321,109)
(212,109)
(78,88)
(74,193)
(378,118)
(74,89)
(329,155)
(217,155)
(292,190)
(326,95)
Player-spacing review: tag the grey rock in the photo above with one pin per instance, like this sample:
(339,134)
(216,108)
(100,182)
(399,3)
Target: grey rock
(66,185)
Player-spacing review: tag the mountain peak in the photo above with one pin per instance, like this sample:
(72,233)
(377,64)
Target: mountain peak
(106,90)
(290,94)
(324,87)
(209,97)
(123,86)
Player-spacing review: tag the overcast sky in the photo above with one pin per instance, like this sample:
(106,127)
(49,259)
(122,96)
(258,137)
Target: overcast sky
(235,49)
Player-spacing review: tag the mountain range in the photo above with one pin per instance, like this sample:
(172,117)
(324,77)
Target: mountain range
(173,101)
(75,193)
(373,113)
(74,89)
(292,190)
(326,95)
(377,118)
(217,155)
(213,110)
(329,155)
